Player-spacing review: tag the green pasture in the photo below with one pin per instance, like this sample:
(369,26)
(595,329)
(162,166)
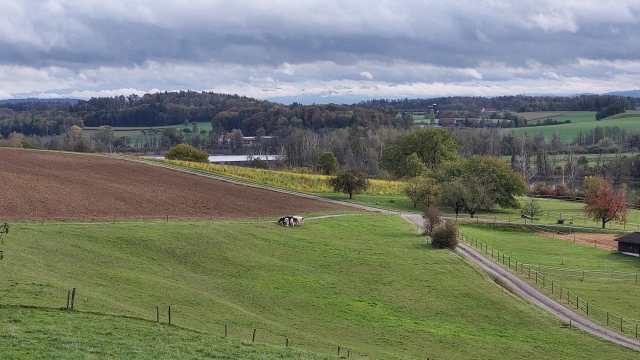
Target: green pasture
(41,333)
(136,132)
(367,283)
(561,159)
(574,116)
(552,211)
(568,132)
(617,296)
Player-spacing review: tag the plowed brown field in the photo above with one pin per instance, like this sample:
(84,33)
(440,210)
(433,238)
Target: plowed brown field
(39,185)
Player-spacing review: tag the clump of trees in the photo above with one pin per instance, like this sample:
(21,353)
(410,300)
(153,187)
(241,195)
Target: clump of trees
(350,181)
(186,152)
(426,148)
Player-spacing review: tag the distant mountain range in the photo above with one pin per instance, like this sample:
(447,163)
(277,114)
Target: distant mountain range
(34,100)
(630,93)
(319,99)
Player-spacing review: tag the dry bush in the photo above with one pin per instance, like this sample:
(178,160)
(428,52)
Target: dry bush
(445,235)
(431,216)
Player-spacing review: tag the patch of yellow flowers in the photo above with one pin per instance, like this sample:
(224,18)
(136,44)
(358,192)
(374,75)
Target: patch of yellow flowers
(312,183)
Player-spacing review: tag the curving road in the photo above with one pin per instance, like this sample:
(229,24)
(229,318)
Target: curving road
(520,286)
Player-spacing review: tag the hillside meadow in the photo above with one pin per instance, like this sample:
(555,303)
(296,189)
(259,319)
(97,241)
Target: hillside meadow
(367,283)
(41,333)
(581,123)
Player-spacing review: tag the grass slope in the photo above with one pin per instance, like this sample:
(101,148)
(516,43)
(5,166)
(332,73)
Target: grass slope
(57,334)
(579,123)
(620,297)
(367,283)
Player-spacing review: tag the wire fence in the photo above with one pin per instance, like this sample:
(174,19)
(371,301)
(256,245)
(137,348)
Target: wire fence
(584,275)
(576,199)
(571,300)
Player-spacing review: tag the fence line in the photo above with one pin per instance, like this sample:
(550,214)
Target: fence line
(587,274)
(575,199)
(611,320)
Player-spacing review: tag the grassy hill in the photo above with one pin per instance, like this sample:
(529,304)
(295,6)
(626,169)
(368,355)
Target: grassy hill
(30,333)
(582,122)
(367,283)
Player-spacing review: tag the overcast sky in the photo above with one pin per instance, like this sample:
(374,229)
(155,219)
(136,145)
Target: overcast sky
(318,49)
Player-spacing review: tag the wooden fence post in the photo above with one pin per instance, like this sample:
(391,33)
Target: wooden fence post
(225,330)
(287,343)
(338,350)
(169,314)
(69,297)
(254,336)
(73,297)
(158,314)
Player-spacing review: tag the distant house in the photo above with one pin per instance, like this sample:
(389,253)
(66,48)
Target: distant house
(447,122)
(489,110)
(249,140)
(629,244)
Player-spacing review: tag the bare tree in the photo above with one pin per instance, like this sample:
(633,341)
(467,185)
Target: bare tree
(523,160)
(570,169)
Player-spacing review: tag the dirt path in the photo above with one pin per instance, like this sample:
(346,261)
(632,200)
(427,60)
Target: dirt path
(599,241)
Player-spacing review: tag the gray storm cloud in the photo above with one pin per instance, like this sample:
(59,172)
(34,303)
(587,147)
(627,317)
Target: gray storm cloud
(92,46)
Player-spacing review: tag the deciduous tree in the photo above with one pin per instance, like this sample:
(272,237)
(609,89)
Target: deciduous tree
(603,203)
(350,181)
(422,190)
(432,147)
(531,208)
(452,194)
(328,163)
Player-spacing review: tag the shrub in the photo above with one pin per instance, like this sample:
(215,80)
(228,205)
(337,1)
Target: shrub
(258,163)
(186,152)
(445,235)
(431,216)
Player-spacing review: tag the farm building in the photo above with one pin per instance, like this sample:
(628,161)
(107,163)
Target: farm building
(629,244)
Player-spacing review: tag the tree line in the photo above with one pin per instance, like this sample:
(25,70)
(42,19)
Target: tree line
(517,103)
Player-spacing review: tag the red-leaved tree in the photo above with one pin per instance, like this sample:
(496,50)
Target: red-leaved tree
(603,203)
